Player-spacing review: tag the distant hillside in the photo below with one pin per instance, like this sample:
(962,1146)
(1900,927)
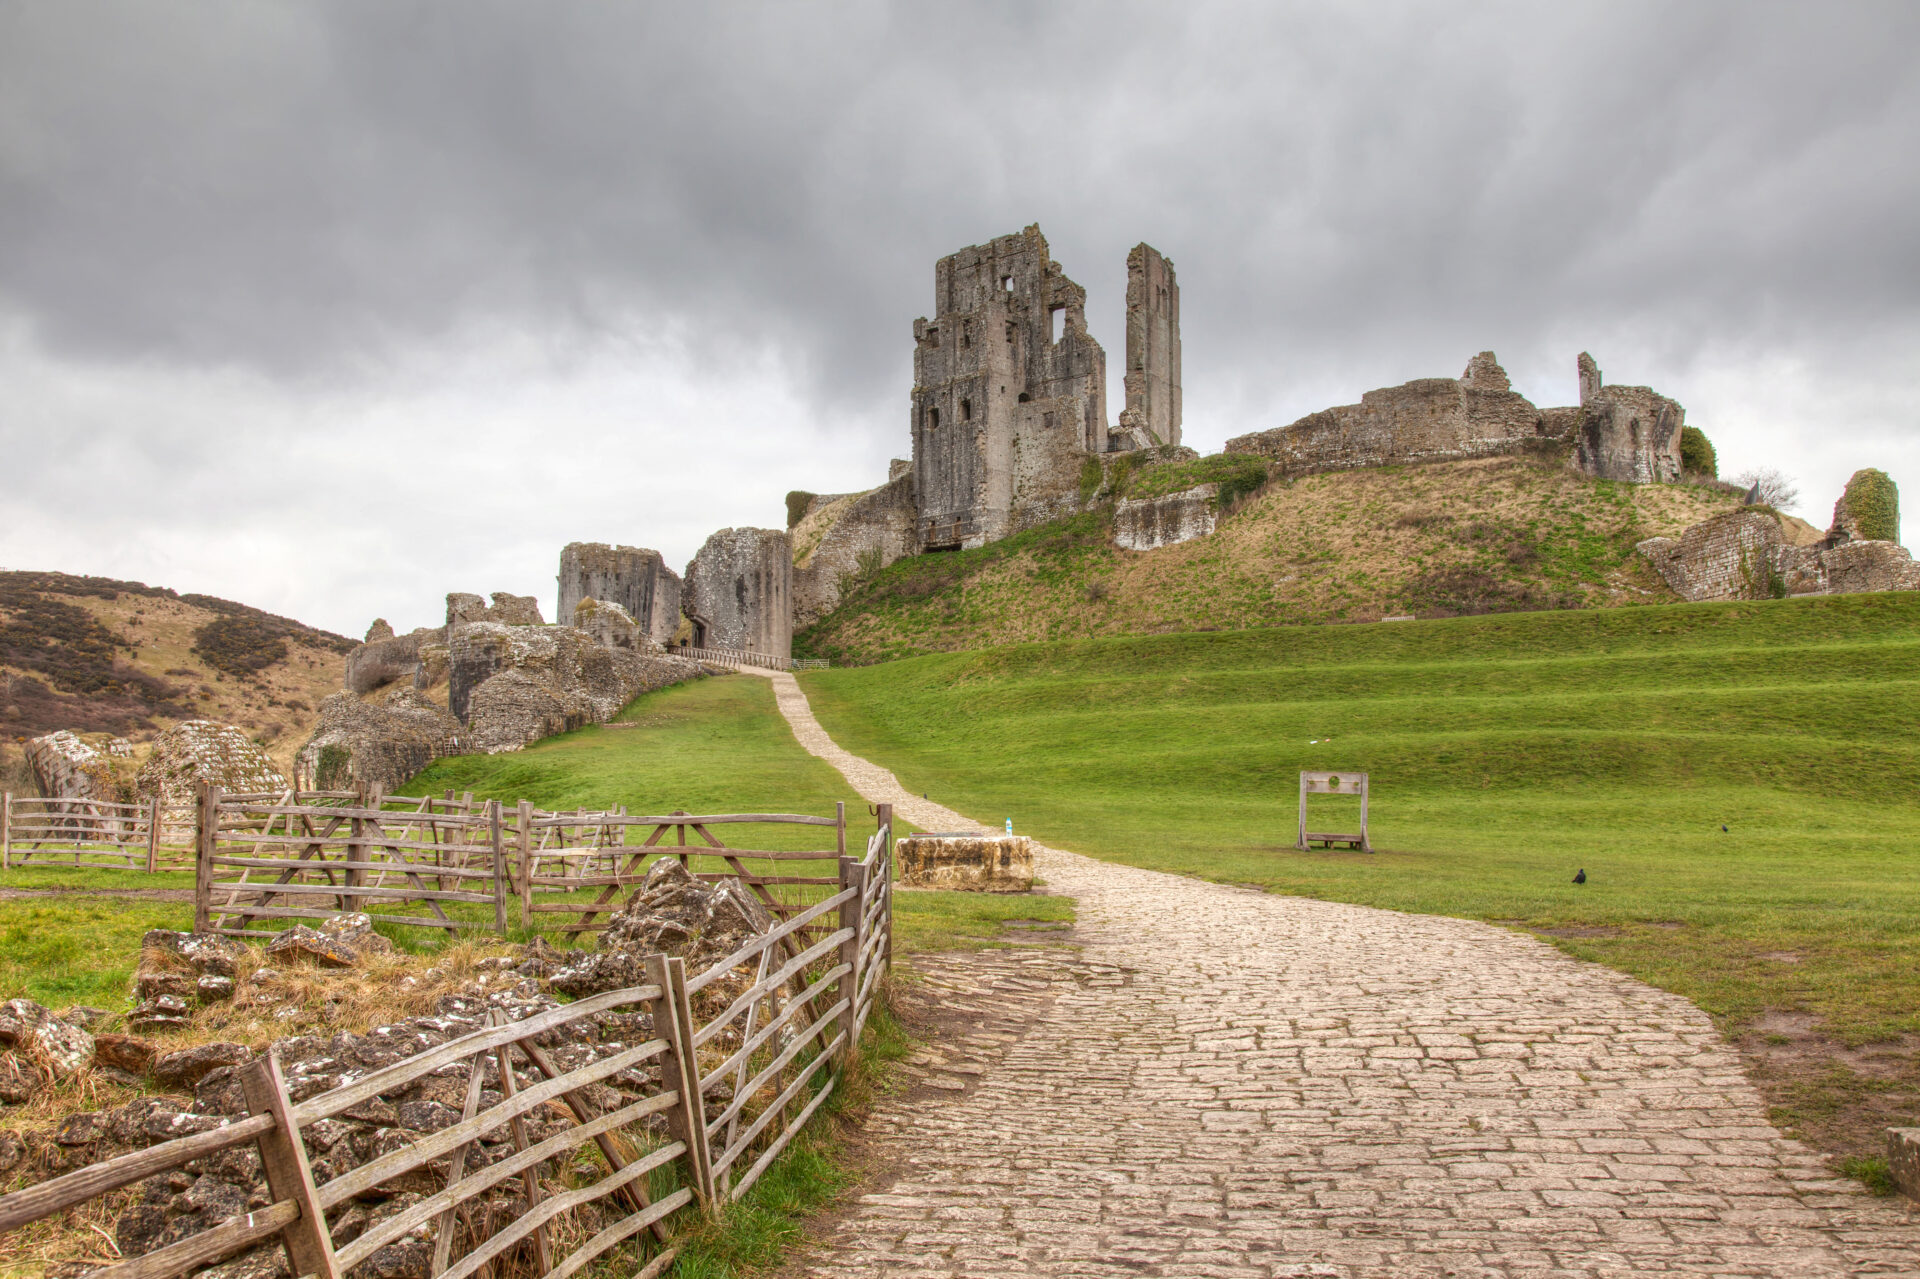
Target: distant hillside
(96,655)
(1490,535)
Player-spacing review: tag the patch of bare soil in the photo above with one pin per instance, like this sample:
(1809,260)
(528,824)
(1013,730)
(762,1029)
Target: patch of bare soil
(1574,930)
(1837,1097)
(144,894)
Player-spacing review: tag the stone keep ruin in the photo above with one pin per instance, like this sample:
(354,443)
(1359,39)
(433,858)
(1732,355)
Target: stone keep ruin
(1010,390)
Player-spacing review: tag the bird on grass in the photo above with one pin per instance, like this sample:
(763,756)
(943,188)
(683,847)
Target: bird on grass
(1723,828)
(1581,878)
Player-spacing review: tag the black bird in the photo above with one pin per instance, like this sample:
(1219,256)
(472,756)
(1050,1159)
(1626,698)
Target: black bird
(1581,878)
(1723,828)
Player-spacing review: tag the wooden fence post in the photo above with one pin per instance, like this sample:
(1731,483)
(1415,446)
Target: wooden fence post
(853,874)
(886,878)
(153,836)
(284,1156)
(840,827)
(356,848)
(526,864)
(673,1021)
(494,836)
(6,831)
(206,835)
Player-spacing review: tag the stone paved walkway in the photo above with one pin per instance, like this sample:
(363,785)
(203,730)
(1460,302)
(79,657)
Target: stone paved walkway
(1262,1086)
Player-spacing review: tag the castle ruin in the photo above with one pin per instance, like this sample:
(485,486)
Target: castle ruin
(635,578)
(1010,389)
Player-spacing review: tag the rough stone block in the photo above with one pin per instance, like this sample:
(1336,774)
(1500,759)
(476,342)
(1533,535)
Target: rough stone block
(1141,524)
(357,744)
(198,750)
(739,591)
(969,863)
(1903,1160)
(634,577)
(68,768)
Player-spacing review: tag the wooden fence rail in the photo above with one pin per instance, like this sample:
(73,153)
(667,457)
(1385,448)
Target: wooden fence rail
(783,894)
(797,1020)
(148,835)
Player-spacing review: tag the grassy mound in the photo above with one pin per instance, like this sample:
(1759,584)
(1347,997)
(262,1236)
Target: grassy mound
(1492,535)
(1506,753)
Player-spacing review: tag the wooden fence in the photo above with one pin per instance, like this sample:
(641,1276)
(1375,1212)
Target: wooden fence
(738,657)
(790,1056)
(604,834)
(149,835)
(313,855)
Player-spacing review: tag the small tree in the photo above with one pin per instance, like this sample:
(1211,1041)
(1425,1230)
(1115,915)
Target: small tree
(1696,453)
(797,503)
(1776,489)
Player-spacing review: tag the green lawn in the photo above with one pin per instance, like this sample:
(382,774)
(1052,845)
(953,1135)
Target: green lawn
(717,745)
(1505,753)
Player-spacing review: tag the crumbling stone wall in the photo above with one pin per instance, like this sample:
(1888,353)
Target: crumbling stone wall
(1615,432)
(611,626)
(512,685)
(1141,524)
(871,531)
(387,659)
(739,591)
(66,767)
(357,744)
(200,750)
(1730,557)
(1152,378)
(1754,554)
(508,610)
(1427,420)
(635,578)
(1626,432)
(1825,569)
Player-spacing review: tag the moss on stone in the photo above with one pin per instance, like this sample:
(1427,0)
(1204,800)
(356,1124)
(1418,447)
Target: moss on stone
(1870,507)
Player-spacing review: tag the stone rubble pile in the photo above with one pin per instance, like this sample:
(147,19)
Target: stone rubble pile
(197,751)
(510,680)
(673,912)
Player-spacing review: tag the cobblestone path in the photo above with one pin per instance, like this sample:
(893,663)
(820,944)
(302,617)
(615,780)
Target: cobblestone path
(1224,1082)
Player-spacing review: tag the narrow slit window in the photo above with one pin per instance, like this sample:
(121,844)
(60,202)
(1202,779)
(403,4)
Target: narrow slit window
(966,333)
(1059,322)
(966,410)
(1006,284)
(933,419)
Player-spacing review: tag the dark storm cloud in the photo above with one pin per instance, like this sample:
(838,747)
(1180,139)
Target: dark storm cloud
(297,184)
(256,223)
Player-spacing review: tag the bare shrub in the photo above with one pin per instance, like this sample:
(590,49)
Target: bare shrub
(1777,489)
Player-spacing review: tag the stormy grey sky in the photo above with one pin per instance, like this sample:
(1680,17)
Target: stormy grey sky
(335,307)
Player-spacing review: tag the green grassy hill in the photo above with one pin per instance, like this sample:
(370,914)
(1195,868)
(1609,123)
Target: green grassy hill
(1492,535)
(1506,752)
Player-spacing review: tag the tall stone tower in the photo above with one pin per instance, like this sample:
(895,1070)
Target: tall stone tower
(1009,391)
(1152,414)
